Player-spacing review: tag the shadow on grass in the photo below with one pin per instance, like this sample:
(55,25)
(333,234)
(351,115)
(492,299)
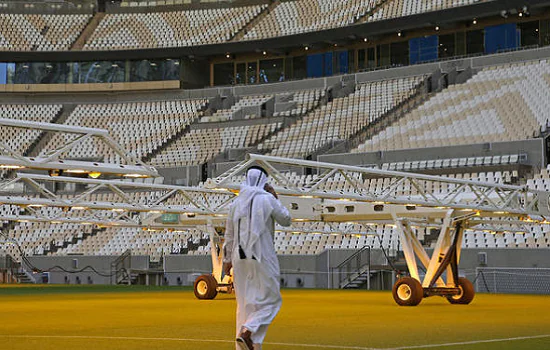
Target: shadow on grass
(73,289)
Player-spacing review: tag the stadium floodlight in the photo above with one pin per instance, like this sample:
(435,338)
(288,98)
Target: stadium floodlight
(130,166)
(10,166)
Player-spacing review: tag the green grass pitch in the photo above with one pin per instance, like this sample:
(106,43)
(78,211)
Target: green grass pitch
(101,317)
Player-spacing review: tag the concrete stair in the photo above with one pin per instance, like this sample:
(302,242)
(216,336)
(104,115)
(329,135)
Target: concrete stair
(45,137)
(365,17)
(241,33)
(87,32)
(358,280)
(23,278)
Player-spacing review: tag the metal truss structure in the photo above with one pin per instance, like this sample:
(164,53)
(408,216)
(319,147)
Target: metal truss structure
(112,202)
(131,166)
(337,193)
(462,194)
(464,204)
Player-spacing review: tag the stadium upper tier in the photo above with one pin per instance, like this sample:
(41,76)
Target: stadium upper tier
(294,17)
(170,29)
(393,9)
(192,27)
(22,32)
(487,108)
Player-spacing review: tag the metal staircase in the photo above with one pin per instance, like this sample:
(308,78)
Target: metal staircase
(354,272)
(361,278)
(121,269)
(23,277)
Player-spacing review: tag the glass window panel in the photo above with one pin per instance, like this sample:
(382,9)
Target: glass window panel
(384,55)
(154,70)
(371,58)
(11,73)
(99,72)
(545,32)
(446,46)
(299,65)
(529,33)
(3,73)
(271,71)
(240,77)
(400,53)
(251,72)
(361,59)
(41,73)
(474,42)
(223,74)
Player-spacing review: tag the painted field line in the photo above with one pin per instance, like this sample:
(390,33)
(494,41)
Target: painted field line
(318,346)
(473,342)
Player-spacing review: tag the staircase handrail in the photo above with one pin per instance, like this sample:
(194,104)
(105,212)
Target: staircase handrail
(345,269)
(120,268)
(11,267)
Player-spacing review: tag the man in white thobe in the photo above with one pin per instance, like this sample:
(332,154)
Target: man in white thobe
(249,249)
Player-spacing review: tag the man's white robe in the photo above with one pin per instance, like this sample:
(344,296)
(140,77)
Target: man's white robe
(251,224)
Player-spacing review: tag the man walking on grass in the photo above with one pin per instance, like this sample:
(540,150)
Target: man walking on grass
(249,250)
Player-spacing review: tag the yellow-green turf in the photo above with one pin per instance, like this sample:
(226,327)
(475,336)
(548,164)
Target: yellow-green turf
(96,317)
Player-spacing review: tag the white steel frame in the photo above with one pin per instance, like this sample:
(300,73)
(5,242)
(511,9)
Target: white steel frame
(53,160)
(466,194)
(465,206)
(127,211)
(462,207)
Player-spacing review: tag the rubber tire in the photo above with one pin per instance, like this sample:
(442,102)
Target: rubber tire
(211,285)
(467,295)
(409,286)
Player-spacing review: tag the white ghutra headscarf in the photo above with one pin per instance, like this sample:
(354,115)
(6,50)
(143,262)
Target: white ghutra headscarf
(250,212)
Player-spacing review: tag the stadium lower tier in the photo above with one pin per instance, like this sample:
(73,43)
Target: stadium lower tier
(300,239)
(500,103)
